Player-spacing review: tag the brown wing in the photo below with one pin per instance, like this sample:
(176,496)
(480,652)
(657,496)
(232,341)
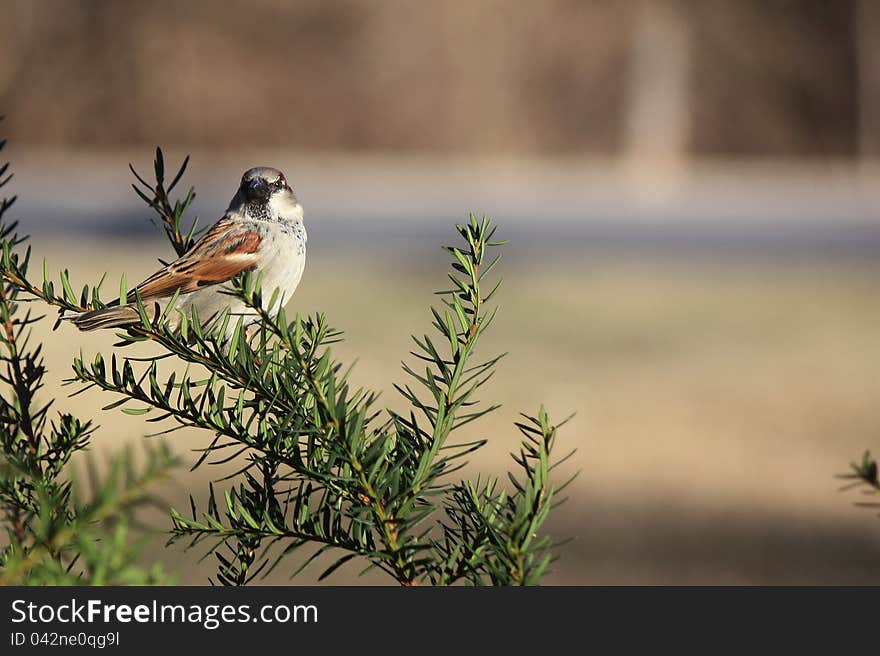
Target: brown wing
(224,251)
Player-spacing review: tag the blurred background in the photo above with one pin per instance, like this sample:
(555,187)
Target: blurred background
(690,188)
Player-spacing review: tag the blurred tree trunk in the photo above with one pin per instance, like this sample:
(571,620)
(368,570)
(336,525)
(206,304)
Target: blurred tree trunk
(868,80)
(657,121)
(16,29)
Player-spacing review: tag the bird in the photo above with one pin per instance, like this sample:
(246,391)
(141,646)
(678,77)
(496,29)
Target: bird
(261,231)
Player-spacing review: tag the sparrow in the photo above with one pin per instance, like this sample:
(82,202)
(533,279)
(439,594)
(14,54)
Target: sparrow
(261,231)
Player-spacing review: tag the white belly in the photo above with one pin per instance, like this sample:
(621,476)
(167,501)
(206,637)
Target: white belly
(281,271)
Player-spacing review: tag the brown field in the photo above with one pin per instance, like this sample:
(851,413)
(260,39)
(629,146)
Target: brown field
(715,402)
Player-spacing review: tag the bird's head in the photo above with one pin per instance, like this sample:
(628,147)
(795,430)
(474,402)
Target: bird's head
(264,194)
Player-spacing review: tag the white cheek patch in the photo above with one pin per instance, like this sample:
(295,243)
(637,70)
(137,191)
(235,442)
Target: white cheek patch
(284,206)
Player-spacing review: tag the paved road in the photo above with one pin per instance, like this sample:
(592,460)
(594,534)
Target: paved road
(565,207)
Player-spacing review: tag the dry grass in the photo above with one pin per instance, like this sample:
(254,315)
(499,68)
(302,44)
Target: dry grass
(715,401)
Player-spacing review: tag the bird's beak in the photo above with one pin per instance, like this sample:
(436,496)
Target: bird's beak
(258,190)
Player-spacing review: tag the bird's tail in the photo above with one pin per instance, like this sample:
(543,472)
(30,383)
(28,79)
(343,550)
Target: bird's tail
(106,317)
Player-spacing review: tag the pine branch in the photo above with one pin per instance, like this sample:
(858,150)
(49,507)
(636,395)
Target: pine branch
(495,534)
(171,213)
(53,538)
(322,465)
(72,532)
(863,474)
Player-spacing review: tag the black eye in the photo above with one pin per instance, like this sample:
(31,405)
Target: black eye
(280,183)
